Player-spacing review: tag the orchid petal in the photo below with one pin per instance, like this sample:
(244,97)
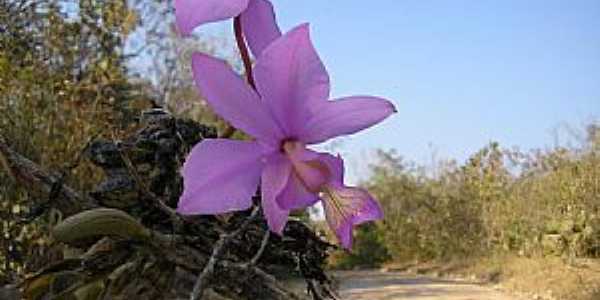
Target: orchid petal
(259,25)
(220,175)
(297,152)
(346,207)
(308,174)
(345,116)
(311,173)
(335,165)
(189,14)
(275,176)
(291,78)
(233,99)
(295,195)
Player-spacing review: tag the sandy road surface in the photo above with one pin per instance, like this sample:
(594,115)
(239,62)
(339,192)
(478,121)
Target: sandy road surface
(374,285)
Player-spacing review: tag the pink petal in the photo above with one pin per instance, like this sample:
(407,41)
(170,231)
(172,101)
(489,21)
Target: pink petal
(276,216)
(291,78)
(233,99)
(297,152)
(345,116)
(309,170)
(220,176)
(346,207)
(259,25)
(275,176)
(335,165)
(191,13)
(295,195)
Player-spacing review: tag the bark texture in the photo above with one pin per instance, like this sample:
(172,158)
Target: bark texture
(123,239)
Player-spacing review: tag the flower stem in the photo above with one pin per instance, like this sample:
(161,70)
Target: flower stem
(241,43)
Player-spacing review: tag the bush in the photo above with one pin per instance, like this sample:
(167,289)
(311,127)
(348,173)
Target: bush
(369,250)
(533,204)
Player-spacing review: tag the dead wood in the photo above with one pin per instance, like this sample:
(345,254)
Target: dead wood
(134,245)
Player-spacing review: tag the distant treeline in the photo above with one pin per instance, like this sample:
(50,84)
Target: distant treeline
(537,203)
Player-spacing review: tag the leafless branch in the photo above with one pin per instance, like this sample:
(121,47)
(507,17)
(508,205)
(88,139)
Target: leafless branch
(32,176)
(261,250)
(267,279)
(156,201)
(218,248)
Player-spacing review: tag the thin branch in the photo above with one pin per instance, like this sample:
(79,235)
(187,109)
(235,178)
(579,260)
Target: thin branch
(267,280)
(276,286)
(261,250)
(175,218)
(58,185)
(200,284)
(32,176)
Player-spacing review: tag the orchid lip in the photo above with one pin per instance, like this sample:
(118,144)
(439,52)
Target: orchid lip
(337,204)
(311,173)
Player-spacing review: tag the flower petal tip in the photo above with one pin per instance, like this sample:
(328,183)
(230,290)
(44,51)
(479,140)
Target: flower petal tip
(394,110)
(300,30)
(190,14)
(390,105)
(278,231)
(276,227)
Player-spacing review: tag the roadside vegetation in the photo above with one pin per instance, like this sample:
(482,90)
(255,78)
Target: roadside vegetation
(500,206)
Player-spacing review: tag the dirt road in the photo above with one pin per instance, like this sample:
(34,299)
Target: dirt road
(374,285)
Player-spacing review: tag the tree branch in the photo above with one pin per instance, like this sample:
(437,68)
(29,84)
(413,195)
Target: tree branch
(30,175)
(261,250)
(156,201)
(200,284)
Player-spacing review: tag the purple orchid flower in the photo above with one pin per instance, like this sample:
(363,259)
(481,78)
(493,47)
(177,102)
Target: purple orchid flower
(257,18)
(289,110)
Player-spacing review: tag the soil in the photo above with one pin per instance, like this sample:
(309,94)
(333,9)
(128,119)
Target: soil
(375,285)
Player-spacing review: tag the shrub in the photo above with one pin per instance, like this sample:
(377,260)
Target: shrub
(536,203)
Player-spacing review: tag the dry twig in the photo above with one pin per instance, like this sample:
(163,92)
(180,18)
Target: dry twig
(32,176)
(218,248)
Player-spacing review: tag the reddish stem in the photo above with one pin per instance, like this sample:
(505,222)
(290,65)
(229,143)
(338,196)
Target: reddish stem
(241,43)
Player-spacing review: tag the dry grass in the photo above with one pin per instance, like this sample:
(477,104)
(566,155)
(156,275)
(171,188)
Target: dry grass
(552,278)
(537,278)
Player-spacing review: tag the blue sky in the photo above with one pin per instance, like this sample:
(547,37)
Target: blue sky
(461,73)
